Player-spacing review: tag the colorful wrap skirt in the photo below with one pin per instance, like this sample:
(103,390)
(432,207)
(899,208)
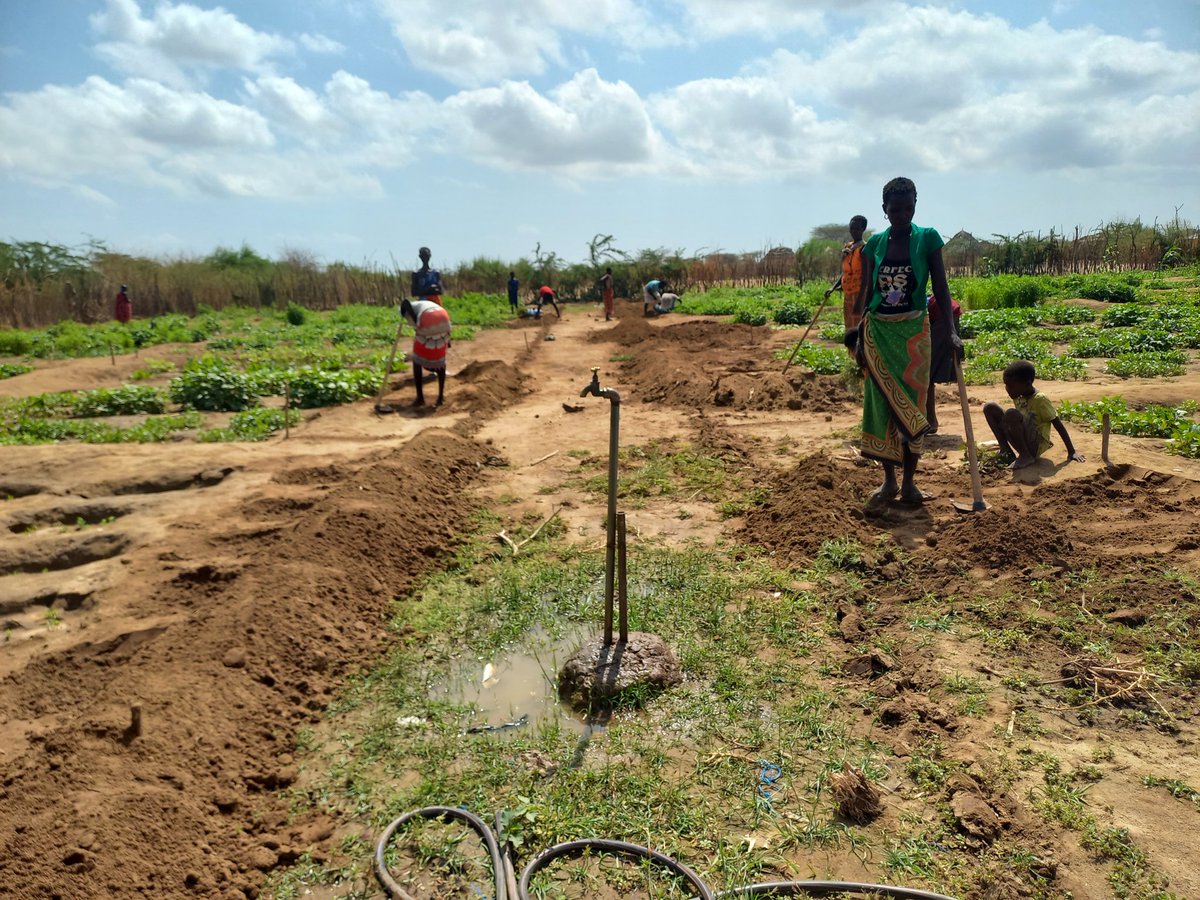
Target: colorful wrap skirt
(897,352)
(432,338)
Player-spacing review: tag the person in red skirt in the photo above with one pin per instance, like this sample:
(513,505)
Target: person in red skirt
(124,311)
(430,344)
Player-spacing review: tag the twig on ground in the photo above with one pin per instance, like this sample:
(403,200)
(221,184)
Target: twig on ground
(516,546)
(543,458)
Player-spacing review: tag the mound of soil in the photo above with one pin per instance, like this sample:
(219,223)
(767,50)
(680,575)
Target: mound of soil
(1007,537)
(486,386)
(817,501)
(250,636)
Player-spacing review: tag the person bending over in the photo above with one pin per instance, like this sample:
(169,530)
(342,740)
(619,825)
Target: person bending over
(430,344)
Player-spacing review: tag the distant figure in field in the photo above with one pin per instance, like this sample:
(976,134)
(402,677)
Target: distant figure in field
(124,307)
(850,280)
(427,282)
(546,295)
(651,295)
(1023,431)
(941,365)
(430,344)
(514,288)
(606,293)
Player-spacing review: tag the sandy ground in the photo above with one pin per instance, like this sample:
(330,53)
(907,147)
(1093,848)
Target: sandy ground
(174,613)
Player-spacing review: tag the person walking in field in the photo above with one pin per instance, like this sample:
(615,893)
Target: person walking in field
(606,293)
(430,344)
(850,280)
(427,282)
(899,263)
(124,306)
(514,288)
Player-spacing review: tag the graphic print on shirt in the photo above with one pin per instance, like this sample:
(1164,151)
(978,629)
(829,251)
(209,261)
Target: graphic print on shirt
(896,285)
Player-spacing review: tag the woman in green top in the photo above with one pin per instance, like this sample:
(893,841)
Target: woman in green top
(894,341)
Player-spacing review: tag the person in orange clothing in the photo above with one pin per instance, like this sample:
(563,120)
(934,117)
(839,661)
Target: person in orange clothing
(850,280)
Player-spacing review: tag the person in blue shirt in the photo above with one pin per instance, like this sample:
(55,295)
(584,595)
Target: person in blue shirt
(651,294)
(514,287)
(427,282)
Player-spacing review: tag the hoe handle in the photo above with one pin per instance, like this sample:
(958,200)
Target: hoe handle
(972,455)
(804,337)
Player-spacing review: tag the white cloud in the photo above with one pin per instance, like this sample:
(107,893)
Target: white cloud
(711,19)
(319,43)
(473,42)
(180,41)
(586,125)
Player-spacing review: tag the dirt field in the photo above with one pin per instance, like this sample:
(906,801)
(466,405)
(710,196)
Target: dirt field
(174,613)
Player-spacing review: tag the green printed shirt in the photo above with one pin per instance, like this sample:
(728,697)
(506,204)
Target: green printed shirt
(1042,411)
(921,243)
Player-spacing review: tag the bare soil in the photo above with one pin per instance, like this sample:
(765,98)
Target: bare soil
(176,613)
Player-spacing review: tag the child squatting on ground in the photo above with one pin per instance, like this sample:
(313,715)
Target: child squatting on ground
(1024,430)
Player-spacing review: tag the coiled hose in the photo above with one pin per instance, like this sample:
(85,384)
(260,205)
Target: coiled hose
(632,851)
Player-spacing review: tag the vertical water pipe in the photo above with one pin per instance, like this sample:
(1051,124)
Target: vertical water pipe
(610,550)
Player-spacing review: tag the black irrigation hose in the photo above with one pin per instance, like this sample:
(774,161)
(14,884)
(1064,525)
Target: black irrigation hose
(619,848)
(632,851)
(438,812)
(828,889)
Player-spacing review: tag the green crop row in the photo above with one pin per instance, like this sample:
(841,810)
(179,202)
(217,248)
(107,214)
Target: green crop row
(46,431)
(1175,423)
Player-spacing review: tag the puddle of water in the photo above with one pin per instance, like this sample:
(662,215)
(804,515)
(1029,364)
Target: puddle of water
(523,683)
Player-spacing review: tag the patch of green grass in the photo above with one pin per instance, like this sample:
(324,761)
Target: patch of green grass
(820,359)
(1175,787)
(667,468)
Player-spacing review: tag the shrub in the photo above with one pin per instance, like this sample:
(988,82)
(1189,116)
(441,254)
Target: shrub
(207,383)
(14,342)
(295,315)
(1000,291)
(749,313)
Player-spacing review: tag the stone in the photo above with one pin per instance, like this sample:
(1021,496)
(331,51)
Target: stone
(596,675)
(235,658)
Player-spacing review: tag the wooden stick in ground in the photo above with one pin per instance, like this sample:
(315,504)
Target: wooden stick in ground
(972,454)
(383,385)
(1107,425)
(803,337)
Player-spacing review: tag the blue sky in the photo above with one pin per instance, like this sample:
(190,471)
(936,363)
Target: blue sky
(361,129)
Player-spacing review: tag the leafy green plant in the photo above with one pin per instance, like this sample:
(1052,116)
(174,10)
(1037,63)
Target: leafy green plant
(1107,342)
(1066,314)
(323,387)
(822,360)
(750,314)
(23,430)
(123,401)
(1153,364)
(1108,289)
(792,312)
(211,384)
(1176,423)
(980,321)
(252,425)
(8,370)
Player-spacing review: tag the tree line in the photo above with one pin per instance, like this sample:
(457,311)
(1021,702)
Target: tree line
(42,283)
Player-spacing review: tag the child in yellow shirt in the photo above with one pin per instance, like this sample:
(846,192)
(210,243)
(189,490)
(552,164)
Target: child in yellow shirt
(1024,430)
